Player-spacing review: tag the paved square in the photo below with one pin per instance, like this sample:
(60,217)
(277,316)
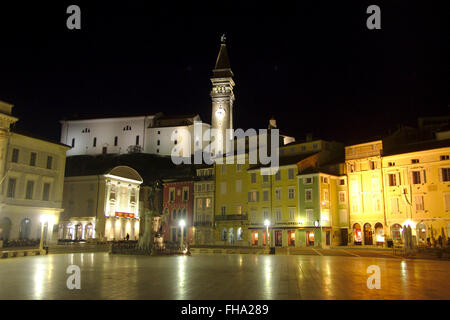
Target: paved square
(105,276)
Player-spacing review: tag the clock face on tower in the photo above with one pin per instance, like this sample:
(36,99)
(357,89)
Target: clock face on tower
(220,113)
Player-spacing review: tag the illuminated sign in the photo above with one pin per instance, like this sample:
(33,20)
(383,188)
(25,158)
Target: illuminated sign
(124,214)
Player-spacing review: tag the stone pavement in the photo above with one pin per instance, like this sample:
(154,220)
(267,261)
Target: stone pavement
(105,276)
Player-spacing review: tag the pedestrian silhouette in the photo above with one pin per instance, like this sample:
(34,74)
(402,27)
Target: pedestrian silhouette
(128,237)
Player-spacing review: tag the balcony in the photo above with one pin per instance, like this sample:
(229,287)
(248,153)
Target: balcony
(231,217)
(203,224)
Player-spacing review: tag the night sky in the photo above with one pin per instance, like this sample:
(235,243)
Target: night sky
(313,65)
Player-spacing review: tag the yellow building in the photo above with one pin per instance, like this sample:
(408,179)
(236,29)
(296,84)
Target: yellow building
(365,183)
(405,184)
(230,205)
(417,190)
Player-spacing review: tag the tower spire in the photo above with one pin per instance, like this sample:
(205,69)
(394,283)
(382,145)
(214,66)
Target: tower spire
(222,68)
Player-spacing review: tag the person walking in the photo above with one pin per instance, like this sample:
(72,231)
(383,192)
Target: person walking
(128,237)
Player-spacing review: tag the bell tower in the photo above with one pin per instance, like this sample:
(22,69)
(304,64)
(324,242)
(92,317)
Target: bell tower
(222,97)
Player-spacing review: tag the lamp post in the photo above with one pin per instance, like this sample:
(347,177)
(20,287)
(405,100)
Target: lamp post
(45,219)
(182,223)
(267,224)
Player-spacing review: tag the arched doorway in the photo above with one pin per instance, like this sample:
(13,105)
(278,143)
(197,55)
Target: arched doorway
(69,232)
(357,238)
(421,231)
(25,229)
(5,229)
(379,233)
(89,232)
(239,234)
(78,231)
(368,240)
(231,236)
(396,231)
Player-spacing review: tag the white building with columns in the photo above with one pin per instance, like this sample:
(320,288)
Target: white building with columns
(31,182)
(102,206)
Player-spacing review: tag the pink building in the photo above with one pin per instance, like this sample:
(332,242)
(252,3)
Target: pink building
(178,205)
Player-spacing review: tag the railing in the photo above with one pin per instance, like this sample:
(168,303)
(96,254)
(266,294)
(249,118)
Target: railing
(232,217)
(203,223)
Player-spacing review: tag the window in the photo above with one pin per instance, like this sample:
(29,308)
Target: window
(278,194)
(418,177)
(112,194)
(341,197)
(391,164)
(392,178)
(291,173)
(73,142)
(185,194)
(351,167)
(105,150)
(372,165)
(116,141)
(94,143)
(278,175)
(158,142)
(266,214)
(342,182)
(15,155)
(265,178)
(376,200)
(291,193)
(324,180)
(46,192)
(291,214)
(308,194)
(29,192)
(223,210)
(414,160)
(223,187)
(33,159)
(239,234)
(325,195)
(253,177)
(447,201)
(174,214)
(171,195)
(133,196)
(159,132)
(238,185)
(199,203)
(445,174)
(315,146)
(224,235)
(265,195)
(310,215)
(253,196)
(49,162)
(208,202)
(446,157)
(394,205)
(307,180)
(418,199)
(11,188)
(278,214)
(137,140)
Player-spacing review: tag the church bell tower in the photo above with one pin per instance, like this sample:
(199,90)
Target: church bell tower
(222,99)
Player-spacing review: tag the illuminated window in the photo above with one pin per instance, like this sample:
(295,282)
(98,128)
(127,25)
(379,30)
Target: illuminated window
(445,174)
(238,210)
(208,202)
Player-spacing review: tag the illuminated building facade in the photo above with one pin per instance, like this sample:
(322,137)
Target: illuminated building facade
(102,205)
(32,176)
(204,186)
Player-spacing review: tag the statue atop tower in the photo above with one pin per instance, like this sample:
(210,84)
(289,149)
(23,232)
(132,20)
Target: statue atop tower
(222,97)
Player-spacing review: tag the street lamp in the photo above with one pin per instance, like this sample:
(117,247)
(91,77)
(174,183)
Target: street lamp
(182,223)
(267,224)
(49,219)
